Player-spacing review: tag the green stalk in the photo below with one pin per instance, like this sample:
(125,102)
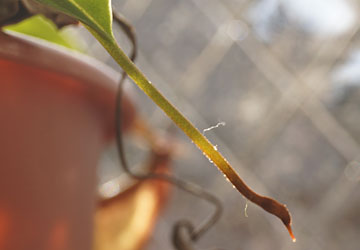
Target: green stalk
(209,150)
(183,123)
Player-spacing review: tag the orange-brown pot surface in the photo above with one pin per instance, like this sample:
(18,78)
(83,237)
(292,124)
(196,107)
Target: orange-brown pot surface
(56,115)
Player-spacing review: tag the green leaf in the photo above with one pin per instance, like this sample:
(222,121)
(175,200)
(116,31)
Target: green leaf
(96,14)
(40,27)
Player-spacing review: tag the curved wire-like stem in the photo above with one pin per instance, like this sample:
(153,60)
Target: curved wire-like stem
(191,188)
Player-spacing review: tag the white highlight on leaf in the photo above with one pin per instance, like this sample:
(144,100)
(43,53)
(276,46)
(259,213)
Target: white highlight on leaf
(216,126)
(208,158)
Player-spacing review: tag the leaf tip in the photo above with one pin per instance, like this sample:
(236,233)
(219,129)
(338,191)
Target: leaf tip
(288,227)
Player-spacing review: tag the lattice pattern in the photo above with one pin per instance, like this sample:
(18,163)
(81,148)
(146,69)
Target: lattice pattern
(280,135)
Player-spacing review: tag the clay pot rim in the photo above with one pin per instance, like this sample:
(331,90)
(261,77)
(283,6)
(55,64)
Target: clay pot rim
(98,79)
(40,53)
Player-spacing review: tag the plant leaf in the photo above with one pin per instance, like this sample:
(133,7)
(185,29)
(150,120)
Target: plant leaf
(95,14)
(40,27)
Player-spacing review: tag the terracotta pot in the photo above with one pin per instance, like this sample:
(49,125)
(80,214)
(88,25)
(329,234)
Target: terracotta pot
(56,116)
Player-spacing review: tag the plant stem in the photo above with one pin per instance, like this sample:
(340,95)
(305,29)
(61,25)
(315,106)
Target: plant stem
(184,124)
(192,132)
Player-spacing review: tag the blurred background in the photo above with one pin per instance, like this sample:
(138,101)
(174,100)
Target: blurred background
(283,80)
